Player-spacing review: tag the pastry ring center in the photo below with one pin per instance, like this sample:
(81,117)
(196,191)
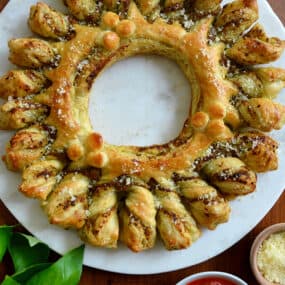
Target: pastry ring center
(148,96)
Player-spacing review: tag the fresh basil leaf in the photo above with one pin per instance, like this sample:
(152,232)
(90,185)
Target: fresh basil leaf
(5,236)
(27,273)
(31,239)
(9,281)
(23,255)
(66,271)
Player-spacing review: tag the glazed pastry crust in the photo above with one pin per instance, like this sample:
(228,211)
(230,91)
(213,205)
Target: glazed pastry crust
(47,22)
(102,226)
(28,52)
(128,193)
(21,83)
(256,48)
(207,206)
(67,204)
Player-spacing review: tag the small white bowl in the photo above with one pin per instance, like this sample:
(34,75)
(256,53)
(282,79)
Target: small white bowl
(255,247)
(227,276)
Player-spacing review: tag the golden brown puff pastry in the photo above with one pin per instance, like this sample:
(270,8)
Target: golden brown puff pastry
(147,6)
(128,193)
(260,82)
(248,83)
(67,204)
(175,224)
(138,226)
(31,52)
(21,83)
(81,9)
(40,177)
(102,224)
(20,113)
(256,48)
(26,146)
(263,114)
(273,80)
(257,151)
(230,175)
(170,4)
(208,207)
(47,22)
(235,18)
(207,5)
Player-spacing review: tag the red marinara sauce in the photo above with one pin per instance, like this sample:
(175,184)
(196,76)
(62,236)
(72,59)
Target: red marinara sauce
(211,281)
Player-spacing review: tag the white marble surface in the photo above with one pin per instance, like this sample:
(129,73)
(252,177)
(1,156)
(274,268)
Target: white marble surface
(246,211)
(138,101)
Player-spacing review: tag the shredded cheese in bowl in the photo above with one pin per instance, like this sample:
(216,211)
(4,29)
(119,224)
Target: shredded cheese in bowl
(271,258)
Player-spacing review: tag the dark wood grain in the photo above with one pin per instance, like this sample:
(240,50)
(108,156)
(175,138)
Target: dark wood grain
(234,260)
(3,4)
(279,8)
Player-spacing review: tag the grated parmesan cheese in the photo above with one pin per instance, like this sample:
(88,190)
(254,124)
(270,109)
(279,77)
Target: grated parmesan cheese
(271,258)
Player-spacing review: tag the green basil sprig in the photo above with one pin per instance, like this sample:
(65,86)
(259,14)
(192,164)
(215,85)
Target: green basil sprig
(5,236)
(26,250)
(9,281)
(66,271)
(30,260)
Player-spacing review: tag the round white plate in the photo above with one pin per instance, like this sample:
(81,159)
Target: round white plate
(145,79)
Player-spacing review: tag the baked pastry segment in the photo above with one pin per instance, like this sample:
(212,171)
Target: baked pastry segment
(207,6)
(138,226)
(176,226)
(128,193)
(207,206)
(102,226)
(21,83)
(256,48)
(263,114)
(230,175)
(67,204)
(257,151)
(235,18)
(47,22)
(260,82)
(20,113)
(273,80)
(82,9)
(40,177)
(26,146)
(147,6)
(28,52)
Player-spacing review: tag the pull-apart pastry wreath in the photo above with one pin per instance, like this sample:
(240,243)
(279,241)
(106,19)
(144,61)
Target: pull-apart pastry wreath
(109,192)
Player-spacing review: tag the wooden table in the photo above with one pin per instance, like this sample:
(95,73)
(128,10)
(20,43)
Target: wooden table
(235,260)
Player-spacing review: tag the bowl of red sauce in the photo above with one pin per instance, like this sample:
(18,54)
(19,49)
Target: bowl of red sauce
(212,278)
